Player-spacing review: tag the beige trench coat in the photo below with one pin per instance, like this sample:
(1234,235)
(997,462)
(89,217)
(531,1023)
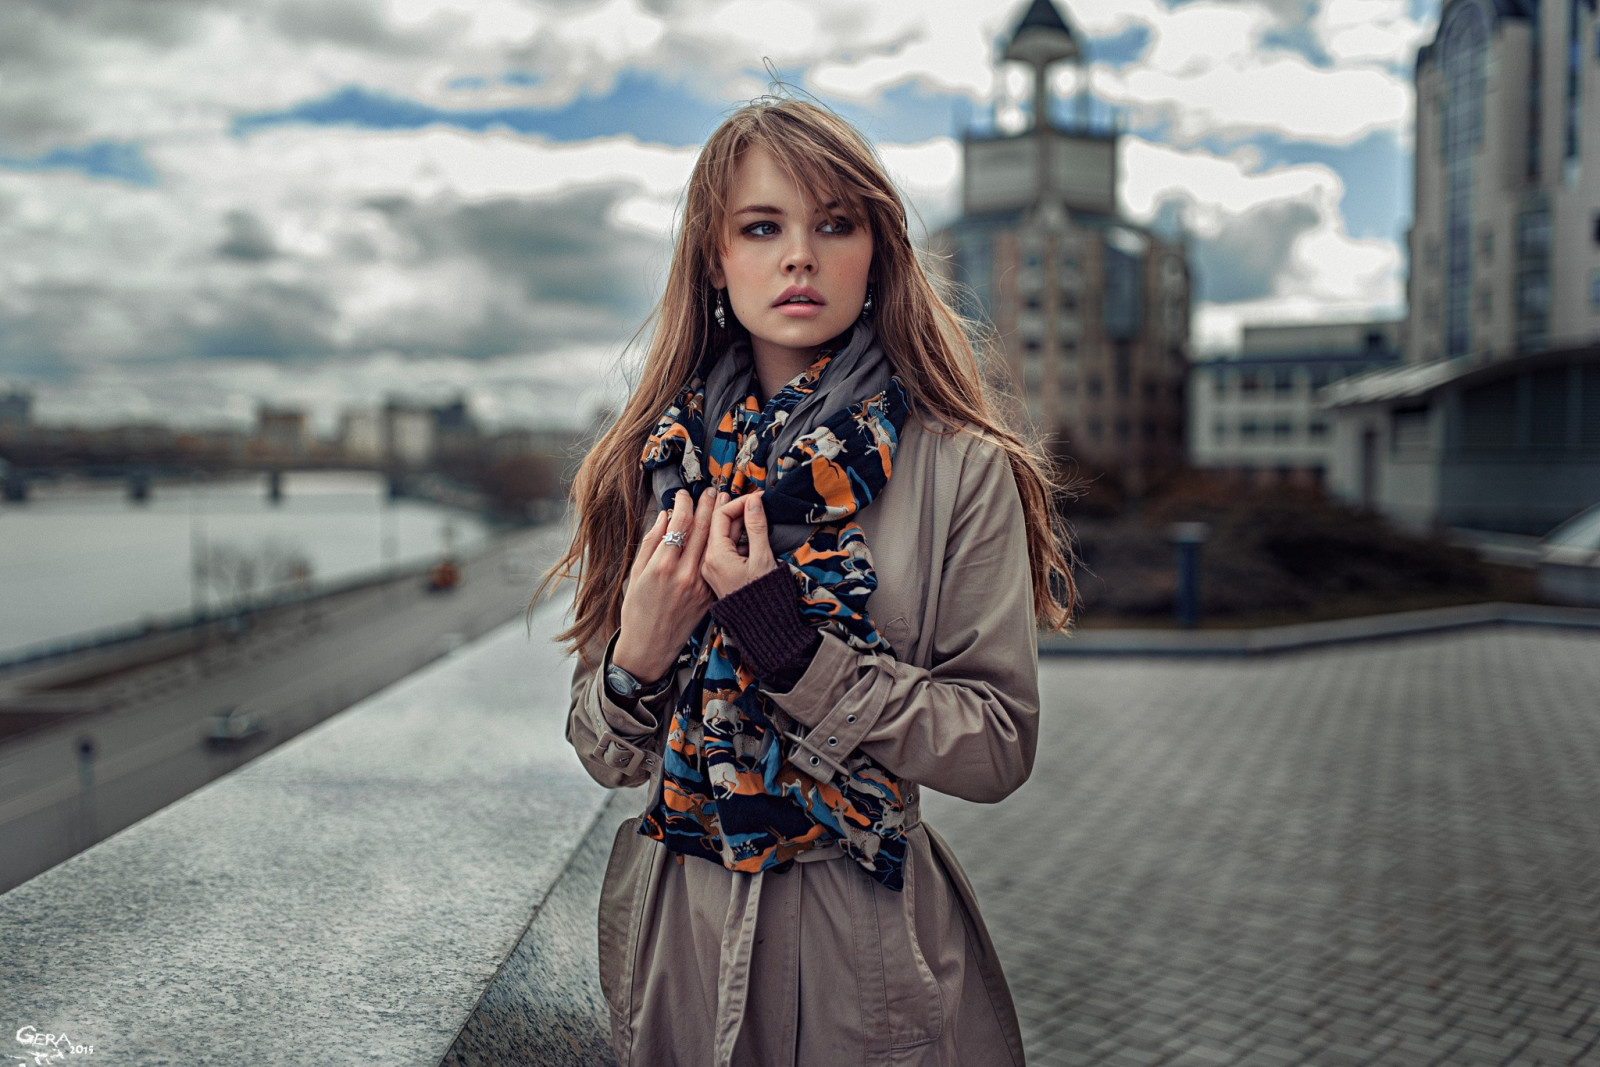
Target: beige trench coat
(821,965)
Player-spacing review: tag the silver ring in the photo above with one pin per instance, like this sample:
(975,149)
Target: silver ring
(674,538)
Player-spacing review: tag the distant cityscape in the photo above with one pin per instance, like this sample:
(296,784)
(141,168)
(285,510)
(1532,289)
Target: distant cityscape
(437,450)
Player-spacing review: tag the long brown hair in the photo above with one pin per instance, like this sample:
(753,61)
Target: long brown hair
(933,349)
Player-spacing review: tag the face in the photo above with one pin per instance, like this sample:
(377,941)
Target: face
(796,277)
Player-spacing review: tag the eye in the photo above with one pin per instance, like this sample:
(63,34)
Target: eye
(839,225)
(761,229)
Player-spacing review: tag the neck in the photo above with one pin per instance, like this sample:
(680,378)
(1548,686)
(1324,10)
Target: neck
(777,366)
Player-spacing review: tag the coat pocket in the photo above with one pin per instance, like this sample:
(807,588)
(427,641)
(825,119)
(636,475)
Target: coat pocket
(914,1005)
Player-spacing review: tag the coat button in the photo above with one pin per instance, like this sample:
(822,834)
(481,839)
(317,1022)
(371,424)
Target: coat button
(850,718)
(833,740)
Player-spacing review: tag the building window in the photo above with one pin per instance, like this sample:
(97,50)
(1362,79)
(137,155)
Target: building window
(1485,301)
(1548,425)
(1151,389)
(1486,244)
(1122,367)
(1122,429)
(1318,429)
(1319,377)
(1409,429)
(1283,382)
(1533,237)
(1032,345)
(1123,312)
(1219,381)
(1249,384)
(1096,387)
(1597,229)
(1094,430)
(1533,294)
(1283,429)
(1574,78)
(1069,300)
(1463,50)
(1147,429)
(1219,431)
(1489,416)
(1589,407)
(1594,290)
(1248,429)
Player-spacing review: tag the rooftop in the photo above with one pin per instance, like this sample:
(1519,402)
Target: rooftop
(1417,380)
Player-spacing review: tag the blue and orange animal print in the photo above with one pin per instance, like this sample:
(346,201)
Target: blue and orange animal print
(728,791)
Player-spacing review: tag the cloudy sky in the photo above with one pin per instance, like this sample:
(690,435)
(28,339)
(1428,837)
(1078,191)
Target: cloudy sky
(209,203)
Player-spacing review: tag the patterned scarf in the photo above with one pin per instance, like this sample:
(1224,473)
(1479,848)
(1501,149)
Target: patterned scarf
(728,791)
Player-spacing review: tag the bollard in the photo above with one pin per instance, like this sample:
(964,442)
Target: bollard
(1188,536)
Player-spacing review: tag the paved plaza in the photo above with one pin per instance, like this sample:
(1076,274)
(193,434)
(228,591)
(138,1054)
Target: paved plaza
(1380,853)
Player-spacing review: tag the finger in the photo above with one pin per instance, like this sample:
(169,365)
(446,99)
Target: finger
(755,520)
(682,514)
(717,529)
(652,538)
(702,525)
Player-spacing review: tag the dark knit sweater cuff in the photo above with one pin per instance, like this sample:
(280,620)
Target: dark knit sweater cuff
(763,619)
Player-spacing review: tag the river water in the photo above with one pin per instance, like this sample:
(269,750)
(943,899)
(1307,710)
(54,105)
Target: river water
(81,559)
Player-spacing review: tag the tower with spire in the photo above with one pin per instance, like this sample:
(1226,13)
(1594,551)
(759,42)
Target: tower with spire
(1092,311)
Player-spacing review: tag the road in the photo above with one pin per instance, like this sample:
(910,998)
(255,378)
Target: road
(294,673)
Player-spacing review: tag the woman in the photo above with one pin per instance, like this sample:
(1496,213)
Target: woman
(809,562)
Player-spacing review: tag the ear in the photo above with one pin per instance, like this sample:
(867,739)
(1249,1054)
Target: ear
(718,279)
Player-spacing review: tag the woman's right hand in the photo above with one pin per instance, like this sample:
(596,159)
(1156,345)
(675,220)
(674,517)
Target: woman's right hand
(666,596)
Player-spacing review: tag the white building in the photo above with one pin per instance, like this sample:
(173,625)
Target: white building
(361,435)
(1258,414)
(1505,249)
(1508,444)
(408,434)
(1495,420)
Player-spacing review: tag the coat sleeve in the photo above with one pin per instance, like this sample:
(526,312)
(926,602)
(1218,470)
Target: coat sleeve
(619,746)
(968,725)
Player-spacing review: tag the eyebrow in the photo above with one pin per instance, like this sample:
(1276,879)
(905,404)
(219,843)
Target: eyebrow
(768,209)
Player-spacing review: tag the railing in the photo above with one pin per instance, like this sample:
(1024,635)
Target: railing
(413,881)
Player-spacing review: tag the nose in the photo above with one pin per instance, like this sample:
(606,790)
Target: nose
(797,257)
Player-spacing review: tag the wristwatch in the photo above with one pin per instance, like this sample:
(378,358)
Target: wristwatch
(625,686)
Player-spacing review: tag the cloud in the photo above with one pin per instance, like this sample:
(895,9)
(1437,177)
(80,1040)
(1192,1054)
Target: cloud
(329,243)
(1380,31)
(1266,243)
(1250,256)
(419,178)
(1284,94)
(524,389)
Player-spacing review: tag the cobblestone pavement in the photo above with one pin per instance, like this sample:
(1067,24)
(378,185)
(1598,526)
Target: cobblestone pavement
(1373,854)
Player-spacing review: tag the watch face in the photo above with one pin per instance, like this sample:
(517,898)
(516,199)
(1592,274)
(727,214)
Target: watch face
(622,682)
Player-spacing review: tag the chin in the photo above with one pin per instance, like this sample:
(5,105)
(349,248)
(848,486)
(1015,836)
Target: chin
(808,335)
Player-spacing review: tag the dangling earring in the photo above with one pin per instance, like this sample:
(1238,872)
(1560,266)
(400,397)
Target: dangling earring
(866,307)
(720,315)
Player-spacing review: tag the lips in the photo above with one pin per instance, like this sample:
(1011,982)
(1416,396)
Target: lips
(799,291)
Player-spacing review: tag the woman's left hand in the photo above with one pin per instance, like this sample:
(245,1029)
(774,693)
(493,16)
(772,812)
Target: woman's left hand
(728,565)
